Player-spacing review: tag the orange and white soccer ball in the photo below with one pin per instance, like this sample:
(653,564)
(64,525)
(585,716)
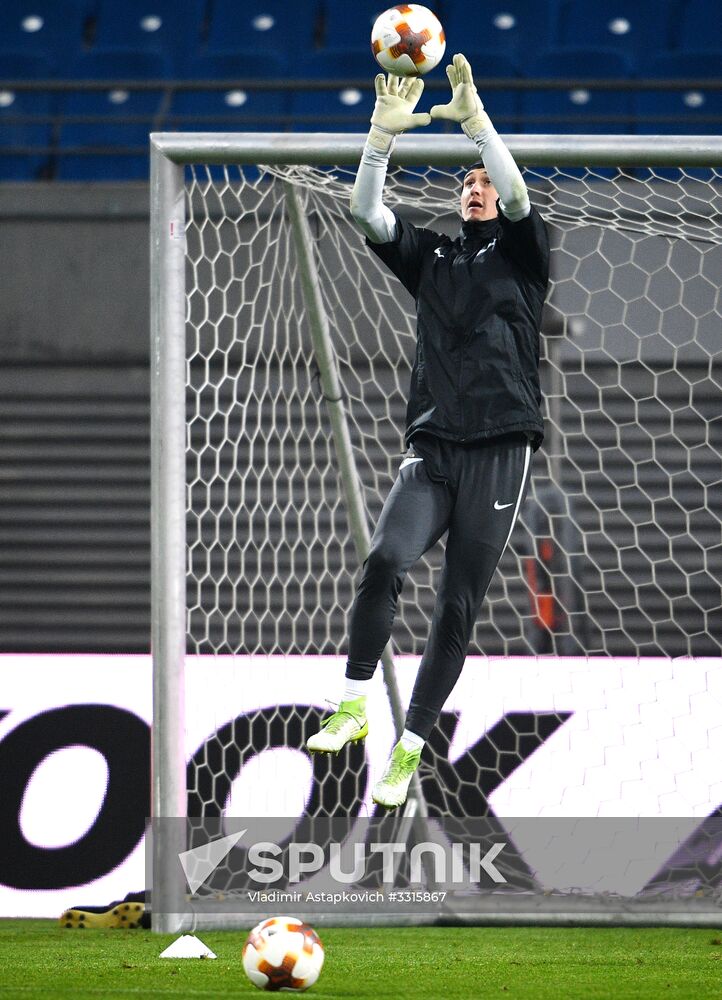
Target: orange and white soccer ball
(407,40)
(283,953)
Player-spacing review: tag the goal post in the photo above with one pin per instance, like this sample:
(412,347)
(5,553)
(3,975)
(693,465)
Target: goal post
(279,366)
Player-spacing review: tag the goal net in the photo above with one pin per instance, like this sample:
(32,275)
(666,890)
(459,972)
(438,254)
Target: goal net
(280,388)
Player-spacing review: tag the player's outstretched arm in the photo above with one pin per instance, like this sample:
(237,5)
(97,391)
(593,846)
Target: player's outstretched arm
(466,108)
(396,99)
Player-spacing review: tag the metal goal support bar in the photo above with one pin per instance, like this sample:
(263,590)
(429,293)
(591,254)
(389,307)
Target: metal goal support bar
(345,149)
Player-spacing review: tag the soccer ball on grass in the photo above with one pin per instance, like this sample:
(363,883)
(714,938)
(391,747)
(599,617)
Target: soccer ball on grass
(283,953)
(407,40)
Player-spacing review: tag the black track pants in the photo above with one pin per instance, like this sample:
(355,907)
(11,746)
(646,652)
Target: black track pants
(474,492)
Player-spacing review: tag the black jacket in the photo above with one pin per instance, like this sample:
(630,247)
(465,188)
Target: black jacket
(479,300)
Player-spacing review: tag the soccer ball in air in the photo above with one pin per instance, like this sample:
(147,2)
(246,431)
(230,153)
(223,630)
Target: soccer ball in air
(283,953)
(407,40)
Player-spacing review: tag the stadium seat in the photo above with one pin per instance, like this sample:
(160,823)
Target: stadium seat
(263,25)
(345,25)
(577,108)
(232,109)
(171,26)
(344,109)
(699,26)
(511,28)
(503,105)
(14,104)
(690,107)
(111,110)
(632,27)
(45,28)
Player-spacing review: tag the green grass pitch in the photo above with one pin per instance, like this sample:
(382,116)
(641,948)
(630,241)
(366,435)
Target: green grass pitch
(40,959)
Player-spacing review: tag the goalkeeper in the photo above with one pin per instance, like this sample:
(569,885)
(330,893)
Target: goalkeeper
(473,416)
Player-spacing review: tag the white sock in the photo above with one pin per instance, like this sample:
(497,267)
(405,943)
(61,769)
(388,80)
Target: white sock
(355,689)
(410,741)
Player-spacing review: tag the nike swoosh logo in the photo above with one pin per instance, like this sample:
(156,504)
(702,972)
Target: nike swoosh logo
(502,506)
(409,461)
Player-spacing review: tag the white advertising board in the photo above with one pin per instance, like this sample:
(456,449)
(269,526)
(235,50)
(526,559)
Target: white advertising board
(640,737)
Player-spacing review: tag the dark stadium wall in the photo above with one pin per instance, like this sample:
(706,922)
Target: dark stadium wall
(74,392)
(74,284)
(75,280)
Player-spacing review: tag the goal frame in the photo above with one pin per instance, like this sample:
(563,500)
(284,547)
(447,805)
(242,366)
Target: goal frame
(170,153)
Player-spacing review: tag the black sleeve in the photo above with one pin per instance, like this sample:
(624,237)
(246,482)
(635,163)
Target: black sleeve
(527,243)
(404,255)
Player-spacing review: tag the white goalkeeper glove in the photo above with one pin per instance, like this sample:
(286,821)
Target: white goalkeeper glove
(394,109)
(465,105)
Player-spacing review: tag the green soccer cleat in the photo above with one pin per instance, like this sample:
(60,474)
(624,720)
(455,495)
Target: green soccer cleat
(391,791)
(347,725)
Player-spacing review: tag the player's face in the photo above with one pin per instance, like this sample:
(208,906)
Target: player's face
(478,197)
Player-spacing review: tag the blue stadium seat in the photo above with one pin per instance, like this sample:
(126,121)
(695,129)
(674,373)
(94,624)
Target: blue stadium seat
(234,109)
(344,109)
(349,25)
(334,64)
(171,26)
(111,108)
(577,108)
(689,107)
(503,105)
(15,104)
(263,25)
(45,27)
(633,27)
(511,28)
(699,27)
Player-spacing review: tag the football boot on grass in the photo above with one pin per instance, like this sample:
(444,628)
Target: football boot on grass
(121,914)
